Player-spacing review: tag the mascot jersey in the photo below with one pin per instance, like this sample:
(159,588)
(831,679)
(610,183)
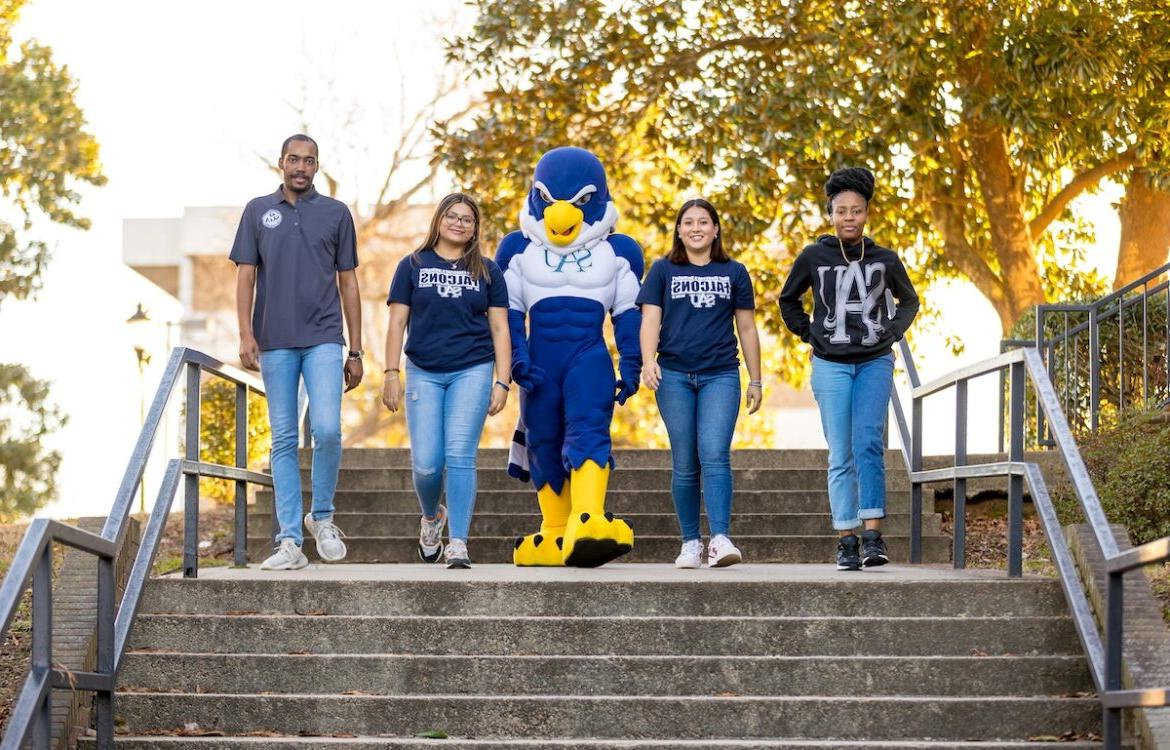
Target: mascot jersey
(565,271)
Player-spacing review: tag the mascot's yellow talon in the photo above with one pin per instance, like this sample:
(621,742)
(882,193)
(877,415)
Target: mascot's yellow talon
(538,550)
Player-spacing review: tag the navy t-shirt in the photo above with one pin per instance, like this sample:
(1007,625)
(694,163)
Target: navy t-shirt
(297,250)
(698,312)
(448,327)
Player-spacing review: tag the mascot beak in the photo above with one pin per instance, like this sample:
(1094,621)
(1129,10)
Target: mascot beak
(562,222)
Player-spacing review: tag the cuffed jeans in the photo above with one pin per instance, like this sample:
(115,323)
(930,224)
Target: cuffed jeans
(699,411)
(445,412)
(321,367)
(853,399)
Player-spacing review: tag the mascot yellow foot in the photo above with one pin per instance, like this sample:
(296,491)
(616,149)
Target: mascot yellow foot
(544,547)
(592,536)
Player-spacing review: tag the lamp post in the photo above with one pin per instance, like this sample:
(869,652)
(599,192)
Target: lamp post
(136,323)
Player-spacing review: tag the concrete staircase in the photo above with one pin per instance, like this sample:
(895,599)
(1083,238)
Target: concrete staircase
(780,515)
(637,656)
(626,656)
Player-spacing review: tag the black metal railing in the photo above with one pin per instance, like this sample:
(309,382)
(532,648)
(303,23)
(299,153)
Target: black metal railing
(1021,368)
(1105,357)
(31,714)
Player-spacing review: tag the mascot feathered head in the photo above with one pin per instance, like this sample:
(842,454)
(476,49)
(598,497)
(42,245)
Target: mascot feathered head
(568,207)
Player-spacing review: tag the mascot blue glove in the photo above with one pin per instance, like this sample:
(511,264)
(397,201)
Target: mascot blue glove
(566,271)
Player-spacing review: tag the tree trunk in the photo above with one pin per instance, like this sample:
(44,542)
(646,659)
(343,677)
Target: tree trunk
(1145,229)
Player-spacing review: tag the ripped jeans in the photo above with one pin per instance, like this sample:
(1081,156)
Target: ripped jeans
(445,412)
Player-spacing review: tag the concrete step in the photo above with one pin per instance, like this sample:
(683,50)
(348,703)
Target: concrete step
(494,458)
(552,592)
(382,743)
(522,499)
(625,675)
(622,479)
(618,717)
(777,636)
(485,524)
(647,549)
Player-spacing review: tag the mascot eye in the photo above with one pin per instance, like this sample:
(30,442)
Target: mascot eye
(544,196)
(583,199)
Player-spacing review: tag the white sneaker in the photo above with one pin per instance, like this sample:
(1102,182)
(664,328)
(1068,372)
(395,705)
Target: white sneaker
(457,554)
(329,545)
(430,536)
(721,552)
(288,556)
(691,555)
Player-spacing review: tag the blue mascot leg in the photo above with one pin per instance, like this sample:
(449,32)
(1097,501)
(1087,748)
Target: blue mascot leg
(592,536)
(542,411)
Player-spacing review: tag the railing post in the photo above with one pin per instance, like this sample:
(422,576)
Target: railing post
(103,702)
(959,553)
(42,644)
(1042,349)
(916,486)
(1094,369)
(1015,481)
(1114,609)
(240,554)
(191,481)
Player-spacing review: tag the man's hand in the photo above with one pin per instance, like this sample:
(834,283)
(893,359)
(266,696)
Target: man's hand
(353,373)
(249,353)
(392,392)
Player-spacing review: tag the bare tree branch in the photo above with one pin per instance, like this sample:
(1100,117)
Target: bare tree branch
(1075,187)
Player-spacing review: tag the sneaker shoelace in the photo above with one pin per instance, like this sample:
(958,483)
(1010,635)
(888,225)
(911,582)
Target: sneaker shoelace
(430,530)
(327,531)
(456,551)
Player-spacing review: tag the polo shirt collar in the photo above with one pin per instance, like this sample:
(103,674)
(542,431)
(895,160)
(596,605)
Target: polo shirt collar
(309,195)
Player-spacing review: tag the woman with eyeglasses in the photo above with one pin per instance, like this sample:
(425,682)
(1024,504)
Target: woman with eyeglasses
(453,305)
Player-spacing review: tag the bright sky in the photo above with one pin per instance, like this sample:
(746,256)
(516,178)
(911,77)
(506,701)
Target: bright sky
(182,97)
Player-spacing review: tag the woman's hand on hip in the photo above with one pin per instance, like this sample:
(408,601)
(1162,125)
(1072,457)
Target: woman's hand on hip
(651,375)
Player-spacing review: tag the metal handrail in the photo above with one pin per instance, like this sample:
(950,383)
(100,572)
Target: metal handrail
(1137,294)
(31,716)
(1026,365)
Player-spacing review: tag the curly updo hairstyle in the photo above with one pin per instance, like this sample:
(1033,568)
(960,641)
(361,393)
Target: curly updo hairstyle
(857,179)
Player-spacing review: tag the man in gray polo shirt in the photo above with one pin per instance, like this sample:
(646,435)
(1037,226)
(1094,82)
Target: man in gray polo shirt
(293,250)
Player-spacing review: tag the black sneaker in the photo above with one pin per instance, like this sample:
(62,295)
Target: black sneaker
(849,553)
(873,549)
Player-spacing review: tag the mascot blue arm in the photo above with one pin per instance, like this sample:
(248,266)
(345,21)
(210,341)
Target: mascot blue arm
(627,325)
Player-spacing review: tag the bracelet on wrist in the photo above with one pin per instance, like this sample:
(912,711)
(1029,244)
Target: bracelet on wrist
(389,370)
(756,383)
(503,385)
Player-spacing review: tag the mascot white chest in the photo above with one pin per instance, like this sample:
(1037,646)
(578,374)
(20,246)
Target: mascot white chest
(590,273)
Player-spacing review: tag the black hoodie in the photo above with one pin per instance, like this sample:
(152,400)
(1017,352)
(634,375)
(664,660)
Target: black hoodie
(850,322)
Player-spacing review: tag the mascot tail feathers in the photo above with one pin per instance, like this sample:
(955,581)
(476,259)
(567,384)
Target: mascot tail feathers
(518,453)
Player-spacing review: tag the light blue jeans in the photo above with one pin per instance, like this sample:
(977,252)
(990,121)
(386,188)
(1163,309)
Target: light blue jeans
(321,367)
(445,412)
(699,411)
(853,399)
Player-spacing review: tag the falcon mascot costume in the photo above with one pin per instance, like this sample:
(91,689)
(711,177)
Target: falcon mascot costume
(565,270)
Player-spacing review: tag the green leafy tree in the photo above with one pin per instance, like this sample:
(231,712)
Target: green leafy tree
(45,153)
(27,467)
(982,126)
(217,444)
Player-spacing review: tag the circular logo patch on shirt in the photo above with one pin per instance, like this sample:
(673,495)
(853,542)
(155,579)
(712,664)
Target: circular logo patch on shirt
(272,219)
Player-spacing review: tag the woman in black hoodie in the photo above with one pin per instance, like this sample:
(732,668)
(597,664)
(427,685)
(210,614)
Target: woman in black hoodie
(851,334)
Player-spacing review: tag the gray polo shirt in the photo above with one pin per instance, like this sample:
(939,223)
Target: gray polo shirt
(297,250)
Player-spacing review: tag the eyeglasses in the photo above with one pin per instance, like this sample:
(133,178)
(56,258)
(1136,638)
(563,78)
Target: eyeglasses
(467,221)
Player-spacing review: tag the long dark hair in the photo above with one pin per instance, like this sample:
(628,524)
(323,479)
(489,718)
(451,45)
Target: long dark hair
(472,259)
(678,251)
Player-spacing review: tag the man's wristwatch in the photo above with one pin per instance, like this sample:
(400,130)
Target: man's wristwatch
(355,354)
